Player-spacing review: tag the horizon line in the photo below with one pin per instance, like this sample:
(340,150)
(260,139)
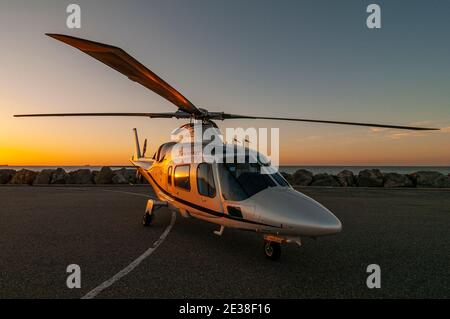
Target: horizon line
(284,165)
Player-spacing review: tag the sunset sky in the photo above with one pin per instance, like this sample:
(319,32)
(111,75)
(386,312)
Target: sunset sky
(309,59)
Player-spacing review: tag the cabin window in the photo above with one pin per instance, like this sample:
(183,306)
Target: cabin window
(205,180)
(181,177)
(169,176)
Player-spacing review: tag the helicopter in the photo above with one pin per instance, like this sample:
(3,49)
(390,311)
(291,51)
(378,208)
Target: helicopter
(245,195)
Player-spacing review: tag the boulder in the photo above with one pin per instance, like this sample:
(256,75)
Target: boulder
(370,178)
(44,177)
(302,177)
(132,178)
(346,178)
(59,176)
(141,179)
(287,177)
(81,176)
(325,180)
(431,179)
(120,176)
(119,179)
(397,180)
(124,176)
(24,177)
(6,175)
(104,176)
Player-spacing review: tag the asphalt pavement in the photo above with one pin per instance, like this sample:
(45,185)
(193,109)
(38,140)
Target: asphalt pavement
(45,229)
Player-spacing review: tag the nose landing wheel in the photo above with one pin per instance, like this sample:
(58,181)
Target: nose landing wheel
(272,250)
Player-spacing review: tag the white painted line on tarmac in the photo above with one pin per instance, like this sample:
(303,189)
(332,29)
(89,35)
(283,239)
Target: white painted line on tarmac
(94,292)
(123,192)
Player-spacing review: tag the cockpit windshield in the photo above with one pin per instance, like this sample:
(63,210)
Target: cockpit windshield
(240,181)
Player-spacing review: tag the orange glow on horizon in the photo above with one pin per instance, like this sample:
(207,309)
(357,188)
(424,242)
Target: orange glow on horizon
(24,154)
(79,142)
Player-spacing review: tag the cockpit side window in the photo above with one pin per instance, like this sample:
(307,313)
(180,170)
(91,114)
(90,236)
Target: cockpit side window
(205,180)
(240,181)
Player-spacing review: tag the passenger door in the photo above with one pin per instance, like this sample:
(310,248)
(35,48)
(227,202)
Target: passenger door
(182,181)
(207,187)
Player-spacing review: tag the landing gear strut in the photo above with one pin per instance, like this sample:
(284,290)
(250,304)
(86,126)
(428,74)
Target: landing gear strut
(152,205)
(147,219)
(272,250)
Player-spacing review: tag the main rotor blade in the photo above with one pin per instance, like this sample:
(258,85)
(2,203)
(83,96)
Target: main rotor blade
(236,116)
(151,115)
(124,63)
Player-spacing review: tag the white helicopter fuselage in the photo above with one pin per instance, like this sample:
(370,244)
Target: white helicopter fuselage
(235,196)
(231,196)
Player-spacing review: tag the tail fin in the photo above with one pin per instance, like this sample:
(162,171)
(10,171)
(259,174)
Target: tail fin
(137,151)
(139,158)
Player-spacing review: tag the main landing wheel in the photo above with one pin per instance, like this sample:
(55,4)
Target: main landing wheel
(272,249)
(147,219)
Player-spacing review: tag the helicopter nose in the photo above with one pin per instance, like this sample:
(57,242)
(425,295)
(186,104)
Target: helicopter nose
(316,220)
(297,213)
